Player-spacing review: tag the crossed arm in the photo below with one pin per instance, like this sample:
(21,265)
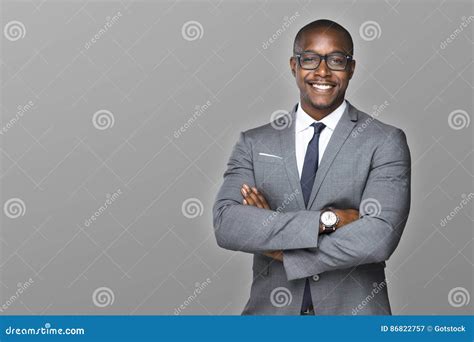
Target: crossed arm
(251,196)
(294,237)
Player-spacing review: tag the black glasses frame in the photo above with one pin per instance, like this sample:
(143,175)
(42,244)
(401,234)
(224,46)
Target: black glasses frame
(324,58)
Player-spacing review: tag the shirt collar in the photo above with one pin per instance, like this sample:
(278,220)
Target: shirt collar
(303,120)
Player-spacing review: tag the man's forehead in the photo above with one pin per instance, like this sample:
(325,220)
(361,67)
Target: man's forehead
(324,36)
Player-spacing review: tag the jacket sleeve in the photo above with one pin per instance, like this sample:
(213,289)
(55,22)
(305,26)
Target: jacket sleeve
(372,238)
(250,229)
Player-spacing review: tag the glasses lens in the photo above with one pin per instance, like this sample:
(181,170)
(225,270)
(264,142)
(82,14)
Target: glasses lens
(337,61)
(309,61)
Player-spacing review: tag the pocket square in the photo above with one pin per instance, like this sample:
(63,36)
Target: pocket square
(269,155)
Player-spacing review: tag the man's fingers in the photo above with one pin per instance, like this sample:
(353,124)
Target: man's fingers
(250,201)
(276,255)
(264,202)
(244,194)
(255,198)
(261,198)
(251,197)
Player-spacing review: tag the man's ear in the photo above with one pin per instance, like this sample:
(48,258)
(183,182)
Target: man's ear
(293,65)
(352,68)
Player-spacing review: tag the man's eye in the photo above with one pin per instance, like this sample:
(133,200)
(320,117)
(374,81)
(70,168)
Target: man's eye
(337,60)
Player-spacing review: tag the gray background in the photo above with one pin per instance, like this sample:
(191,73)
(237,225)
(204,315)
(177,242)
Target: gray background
(142,247)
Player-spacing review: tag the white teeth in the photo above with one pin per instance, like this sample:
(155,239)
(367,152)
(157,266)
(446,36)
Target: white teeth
(322,86)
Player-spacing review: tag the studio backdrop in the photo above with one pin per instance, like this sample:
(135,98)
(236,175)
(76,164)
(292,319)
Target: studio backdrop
(119,117)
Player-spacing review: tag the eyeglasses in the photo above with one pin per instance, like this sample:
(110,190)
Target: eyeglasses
(335,61)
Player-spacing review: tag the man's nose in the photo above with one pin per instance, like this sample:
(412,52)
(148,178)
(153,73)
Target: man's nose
(322,69)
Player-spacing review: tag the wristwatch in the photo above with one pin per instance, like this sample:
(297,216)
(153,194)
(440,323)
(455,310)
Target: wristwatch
(328,220)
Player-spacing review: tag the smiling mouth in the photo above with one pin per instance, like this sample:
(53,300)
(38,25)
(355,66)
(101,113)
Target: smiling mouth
(322,87)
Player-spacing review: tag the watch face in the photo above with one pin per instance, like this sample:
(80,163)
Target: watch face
(328,218)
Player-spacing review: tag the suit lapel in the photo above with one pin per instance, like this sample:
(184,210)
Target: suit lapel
(287,145)
(339,136)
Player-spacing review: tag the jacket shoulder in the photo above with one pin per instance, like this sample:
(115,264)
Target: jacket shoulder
(373,127)
(269,130)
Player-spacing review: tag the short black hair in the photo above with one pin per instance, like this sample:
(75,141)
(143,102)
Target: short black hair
(324,24)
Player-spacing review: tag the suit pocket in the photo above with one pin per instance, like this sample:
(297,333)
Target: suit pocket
(268,158)
(265,168)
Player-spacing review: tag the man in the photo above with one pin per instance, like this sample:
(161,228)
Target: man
(320,198)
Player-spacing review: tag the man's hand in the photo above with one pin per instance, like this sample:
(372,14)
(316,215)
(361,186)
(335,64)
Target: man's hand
(253,197)
(276,255)
(346,216)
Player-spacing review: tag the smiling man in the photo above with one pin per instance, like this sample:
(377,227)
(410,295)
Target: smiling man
(321,196)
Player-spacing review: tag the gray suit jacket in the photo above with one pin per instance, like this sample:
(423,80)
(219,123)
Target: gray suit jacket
(366,165)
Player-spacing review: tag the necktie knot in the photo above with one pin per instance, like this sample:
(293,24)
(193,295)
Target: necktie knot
(318,127)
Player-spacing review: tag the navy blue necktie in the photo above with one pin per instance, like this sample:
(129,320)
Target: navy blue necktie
(310,167)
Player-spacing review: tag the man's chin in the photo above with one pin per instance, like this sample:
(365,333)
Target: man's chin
(322,105)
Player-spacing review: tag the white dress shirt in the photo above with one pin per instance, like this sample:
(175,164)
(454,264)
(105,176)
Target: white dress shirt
(304,132)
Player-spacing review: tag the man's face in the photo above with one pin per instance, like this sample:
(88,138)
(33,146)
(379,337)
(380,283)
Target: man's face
(316,101)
